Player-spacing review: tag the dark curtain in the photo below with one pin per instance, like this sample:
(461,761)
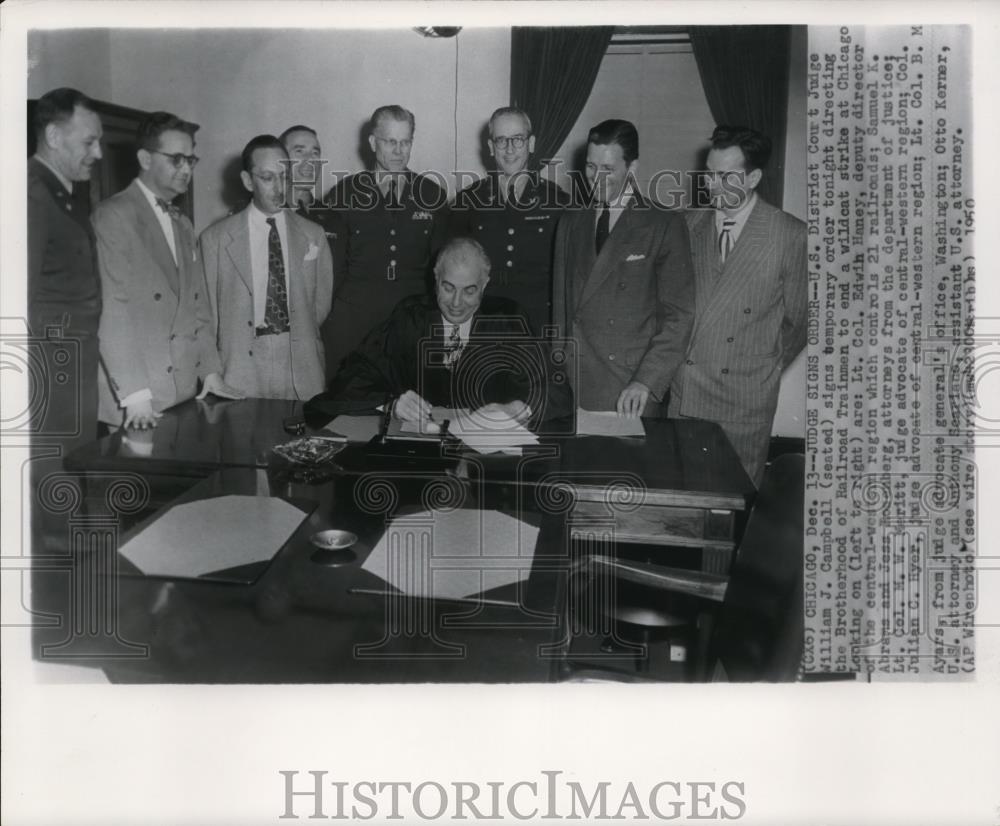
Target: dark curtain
(744,70)
(552,71)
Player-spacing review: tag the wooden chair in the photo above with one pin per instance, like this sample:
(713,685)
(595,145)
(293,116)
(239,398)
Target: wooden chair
(758,625)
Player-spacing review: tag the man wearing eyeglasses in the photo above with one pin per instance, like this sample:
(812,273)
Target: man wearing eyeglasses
(156,334)
(513,213)
(269,274)
(389,222)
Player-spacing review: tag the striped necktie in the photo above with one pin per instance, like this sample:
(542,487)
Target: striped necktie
(726,239)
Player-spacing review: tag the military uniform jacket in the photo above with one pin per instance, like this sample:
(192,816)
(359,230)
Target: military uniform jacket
(629,309)
(751,316)
(501,362)
(156,329)
(62,267)
(518,238)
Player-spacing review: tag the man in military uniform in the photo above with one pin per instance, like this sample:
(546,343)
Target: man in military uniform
(64,290)
(389,222)
(513,213)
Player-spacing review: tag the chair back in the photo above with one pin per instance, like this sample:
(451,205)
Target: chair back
(760,628)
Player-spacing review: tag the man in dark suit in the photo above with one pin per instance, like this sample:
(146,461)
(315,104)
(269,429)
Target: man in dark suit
(389,222)
(157,335)
(64,291)
(623,286)
(457,349)
(305,171)
(513,213)
(751,302)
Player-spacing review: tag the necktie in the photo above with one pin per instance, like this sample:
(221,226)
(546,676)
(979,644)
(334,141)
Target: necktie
(454,347)
(168,208)
(392,194)
(726,239)
(512,194)
(276,308)
(603,228)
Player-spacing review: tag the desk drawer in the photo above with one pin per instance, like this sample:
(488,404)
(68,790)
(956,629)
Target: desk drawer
(655,525)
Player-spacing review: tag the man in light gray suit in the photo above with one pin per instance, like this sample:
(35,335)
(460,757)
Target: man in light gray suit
(155,332)
(750,298)
(269,273)
(623,287)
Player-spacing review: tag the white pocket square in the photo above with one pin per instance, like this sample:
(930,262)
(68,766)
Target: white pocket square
(312,254)
(635,256)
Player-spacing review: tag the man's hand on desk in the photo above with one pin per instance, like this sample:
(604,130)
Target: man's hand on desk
(140,414)
(411,407)
(632,400)
(216,386)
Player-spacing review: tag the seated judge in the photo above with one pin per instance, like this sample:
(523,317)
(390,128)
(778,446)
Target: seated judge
(458,348)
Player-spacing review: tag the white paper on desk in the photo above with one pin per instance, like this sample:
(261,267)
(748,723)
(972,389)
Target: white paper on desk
(606,423)
(491,433)
(355,428)
(453,554)
(211,535)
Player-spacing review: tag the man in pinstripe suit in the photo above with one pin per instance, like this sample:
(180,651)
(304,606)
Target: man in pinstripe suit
(750,300)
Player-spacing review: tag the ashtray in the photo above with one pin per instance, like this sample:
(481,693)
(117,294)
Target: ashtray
(333,547)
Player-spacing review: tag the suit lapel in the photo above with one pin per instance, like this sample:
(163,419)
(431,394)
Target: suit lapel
(155,241)
(743,261)
(604,264)
(238,249)
(583,243)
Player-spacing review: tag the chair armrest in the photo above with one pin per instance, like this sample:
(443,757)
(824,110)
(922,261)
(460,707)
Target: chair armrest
(678,580)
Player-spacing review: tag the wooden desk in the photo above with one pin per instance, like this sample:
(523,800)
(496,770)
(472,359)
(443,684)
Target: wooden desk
(681,485)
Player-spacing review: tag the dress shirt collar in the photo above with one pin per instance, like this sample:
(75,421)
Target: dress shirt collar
(151,196)
(67,184)
(740,217)
(260,217)
(464,329)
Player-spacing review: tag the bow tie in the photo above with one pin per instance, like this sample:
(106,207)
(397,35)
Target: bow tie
(168,208)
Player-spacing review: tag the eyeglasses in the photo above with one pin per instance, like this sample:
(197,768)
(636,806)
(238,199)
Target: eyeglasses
(269,177)
(517,141)
(393,144)
(178,159)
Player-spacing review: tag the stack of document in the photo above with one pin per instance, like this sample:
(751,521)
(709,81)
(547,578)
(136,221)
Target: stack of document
(490,430)
(607,423)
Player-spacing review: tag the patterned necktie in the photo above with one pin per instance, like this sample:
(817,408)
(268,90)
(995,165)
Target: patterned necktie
(454,346)
(168,208)
(726,239)
(603,228)
(276,309)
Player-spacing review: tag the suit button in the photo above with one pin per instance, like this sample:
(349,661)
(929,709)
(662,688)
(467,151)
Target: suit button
(725,370)
(621,285)
(392,232)
(746,310)
(392,248)
(611,322)
(611,357)
(170,368)
(249,324)
(510,231)
(156,296)
(541,230)
(510,263)
(173,336)
(480,227)
(730,339)
(689,362)
(249,352)
(510,248)
(196,296)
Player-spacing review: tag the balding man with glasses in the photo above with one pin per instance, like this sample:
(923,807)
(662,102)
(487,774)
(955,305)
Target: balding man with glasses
(513,213)
(156,334)
(389,222)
